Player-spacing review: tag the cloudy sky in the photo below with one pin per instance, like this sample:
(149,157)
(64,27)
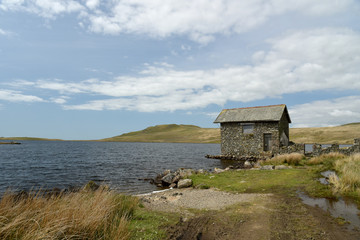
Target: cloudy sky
(91,69)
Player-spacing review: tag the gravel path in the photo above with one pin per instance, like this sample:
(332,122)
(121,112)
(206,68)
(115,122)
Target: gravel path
(176,200)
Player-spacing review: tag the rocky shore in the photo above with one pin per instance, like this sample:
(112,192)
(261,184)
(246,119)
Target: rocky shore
(180,177)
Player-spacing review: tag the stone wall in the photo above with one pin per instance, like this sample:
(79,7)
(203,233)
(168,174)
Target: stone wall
(236,143)
(294,148)
(318,150)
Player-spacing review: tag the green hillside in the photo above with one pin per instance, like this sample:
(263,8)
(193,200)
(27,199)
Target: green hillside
(344,134)
(171,133)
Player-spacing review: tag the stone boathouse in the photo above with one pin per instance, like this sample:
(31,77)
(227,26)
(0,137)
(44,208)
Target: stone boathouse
(254,131)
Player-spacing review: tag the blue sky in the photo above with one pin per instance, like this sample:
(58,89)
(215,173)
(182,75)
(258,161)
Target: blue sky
(92,69)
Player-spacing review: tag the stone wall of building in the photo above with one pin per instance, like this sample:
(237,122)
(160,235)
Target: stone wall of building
(236,143)
(284,128)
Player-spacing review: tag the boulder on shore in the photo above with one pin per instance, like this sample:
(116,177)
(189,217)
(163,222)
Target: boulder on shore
(168,178)
(184,183)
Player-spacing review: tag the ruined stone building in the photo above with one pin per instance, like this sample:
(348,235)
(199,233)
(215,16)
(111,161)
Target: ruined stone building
(254,130)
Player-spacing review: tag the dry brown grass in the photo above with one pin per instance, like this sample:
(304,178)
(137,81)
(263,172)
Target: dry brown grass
(330,157)
(100,214)
(344,134)
(290,159)
(349,174)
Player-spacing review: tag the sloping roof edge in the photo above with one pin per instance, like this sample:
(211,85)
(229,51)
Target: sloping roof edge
(253,114)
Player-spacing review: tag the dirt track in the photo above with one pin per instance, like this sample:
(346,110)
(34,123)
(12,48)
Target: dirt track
(211,214)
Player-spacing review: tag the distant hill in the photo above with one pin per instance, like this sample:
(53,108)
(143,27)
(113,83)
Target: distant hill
(170,133)
(344,134)
(28,138)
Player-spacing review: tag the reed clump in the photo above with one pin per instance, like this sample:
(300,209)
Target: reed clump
(100,214)
(326,159)
(290,159)
(348,178)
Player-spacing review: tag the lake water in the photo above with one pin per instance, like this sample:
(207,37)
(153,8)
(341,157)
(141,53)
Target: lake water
(48,164)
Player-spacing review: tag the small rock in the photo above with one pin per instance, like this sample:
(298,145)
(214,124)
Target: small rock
(176,179)
(247,164)
(200,171)
(218,170)
(183,219)
(163,197)
(91,186)
(268,167)
(166,172)
(184,183)
(257,164)
(280,167)
(184,173)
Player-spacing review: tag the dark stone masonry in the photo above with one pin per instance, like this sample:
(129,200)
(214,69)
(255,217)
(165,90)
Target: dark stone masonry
(254,131)
(236,143)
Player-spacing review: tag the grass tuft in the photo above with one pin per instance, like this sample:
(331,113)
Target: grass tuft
(349,174)
(290,159)
(326,159)
(100,214)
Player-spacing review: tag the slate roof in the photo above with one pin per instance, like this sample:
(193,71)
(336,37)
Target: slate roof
(253,114)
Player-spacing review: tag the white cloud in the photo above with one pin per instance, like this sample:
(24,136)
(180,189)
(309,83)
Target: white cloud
(44,8)
(325,113)
(92,4)
(20,83)
(323,59)
(16,96)
(199,20)
(5,33)
(60,100)
(314,60)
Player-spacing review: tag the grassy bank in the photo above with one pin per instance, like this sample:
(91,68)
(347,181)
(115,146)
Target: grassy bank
(303,176)
(87,214)
(286,181)
(99,214)
(348,179)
